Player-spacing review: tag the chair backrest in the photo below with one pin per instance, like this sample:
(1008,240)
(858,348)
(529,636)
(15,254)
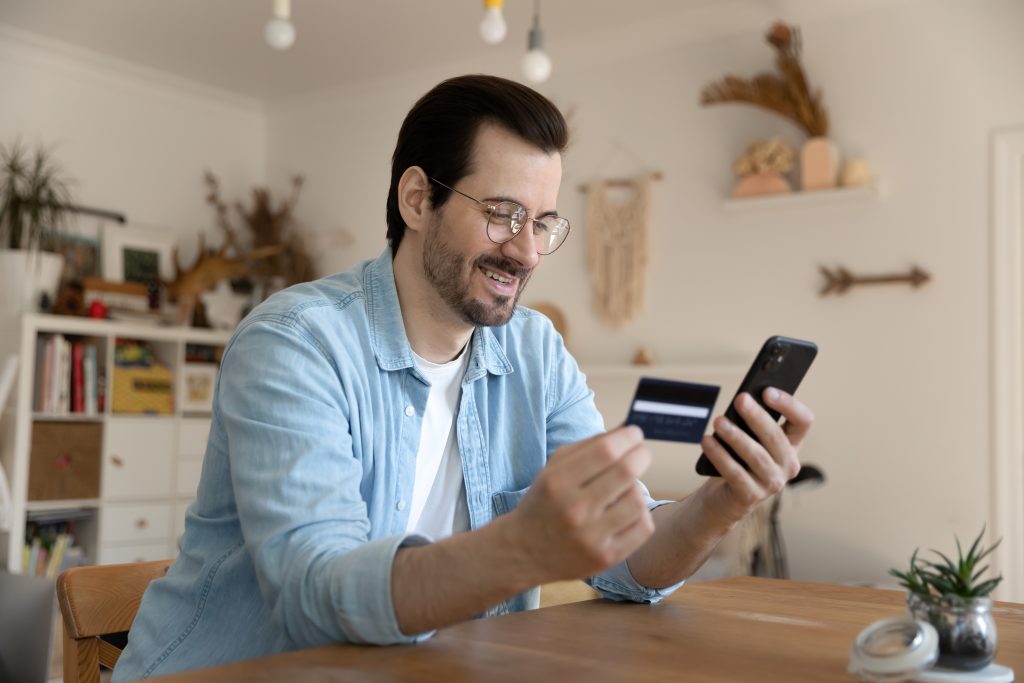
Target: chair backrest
(100,601)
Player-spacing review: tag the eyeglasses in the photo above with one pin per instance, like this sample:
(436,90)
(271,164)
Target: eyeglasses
(506,219)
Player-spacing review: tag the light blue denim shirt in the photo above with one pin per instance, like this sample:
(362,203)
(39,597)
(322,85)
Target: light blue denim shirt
(309,472)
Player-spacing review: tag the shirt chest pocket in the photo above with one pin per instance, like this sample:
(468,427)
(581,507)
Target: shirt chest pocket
(506,501)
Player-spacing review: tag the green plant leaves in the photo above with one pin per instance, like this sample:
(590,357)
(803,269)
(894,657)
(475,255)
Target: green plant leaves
(950,578)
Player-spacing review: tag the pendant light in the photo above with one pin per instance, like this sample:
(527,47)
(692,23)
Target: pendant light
(279,31)
(536,63)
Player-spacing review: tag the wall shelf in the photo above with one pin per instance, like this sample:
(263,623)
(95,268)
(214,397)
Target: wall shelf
(867,193)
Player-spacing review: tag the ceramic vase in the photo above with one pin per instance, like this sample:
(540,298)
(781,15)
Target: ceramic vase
(819,164)
(25,276)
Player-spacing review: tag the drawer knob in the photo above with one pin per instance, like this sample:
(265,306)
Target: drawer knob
(141,523)
(117,460)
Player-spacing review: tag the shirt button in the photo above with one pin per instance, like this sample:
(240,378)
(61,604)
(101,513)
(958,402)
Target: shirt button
(401,505)
(410,411)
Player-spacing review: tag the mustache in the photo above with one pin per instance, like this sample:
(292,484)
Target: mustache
(504,265)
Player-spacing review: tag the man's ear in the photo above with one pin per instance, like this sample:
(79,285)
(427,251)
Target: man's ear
(414,198)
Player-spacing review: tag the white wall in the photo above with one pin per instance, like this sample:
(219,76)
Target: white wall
(900,388)
(136,141)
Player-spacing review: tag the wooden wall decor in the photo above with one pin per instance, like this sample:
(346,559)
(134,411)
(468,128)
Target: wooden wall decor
(839,280)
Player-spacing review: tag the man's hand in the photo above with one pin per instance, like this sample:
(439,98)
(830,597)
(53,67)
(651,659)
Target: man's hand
(772,462)
(584,512)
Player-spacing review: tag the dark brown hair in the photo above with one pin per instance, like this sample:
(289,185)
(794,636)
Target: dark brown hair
(439,131)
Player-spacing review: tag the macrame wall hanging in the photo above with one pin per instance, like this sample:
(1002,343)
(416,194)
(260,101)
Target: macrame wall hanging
(617,246)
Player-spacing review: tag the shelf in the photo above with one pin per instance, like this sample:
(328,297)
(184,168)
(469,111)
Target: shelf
(36,507)
(70,417)
(92,327)
(867,193)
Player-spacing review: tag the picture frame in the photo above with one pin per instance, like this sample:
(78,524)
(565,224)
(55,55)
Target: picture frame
(82,252)
(195,389)
(138,254)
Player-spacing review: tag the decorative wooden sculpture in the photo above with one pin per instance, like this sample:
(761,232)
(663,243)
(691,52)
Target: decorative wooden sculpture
(211,266)
(840,280)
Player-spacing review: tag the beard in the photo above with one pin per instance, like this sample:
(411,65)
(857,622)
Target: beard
(450,273)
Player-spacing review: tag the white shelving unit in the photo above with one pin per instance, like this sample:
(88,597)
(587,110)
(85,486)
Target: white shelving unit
(867,193)
(149,463)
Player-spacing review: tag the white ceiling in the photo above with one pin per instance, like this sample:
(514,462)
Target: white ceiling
(220,43)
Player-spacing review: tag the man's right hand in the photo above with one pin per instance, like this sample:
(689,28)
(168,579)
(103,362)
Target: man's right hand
(585,512)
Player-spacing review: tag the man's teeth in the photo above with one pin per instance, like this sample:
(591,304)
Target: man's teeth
(494,276)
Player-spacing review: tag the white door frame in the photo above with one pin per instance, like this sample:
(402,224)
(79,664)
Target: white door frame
(1007,360)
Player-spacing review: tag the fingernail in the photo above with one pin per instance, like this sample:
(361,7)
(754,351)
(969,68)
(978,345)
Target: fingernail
(773,394)
(725,425)
(636,432)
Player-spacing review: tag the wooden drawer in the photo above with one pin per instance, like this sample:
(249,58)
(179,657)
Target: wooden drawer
(192,434)
(65,460)
(126,522)
(146,552)
(138,457)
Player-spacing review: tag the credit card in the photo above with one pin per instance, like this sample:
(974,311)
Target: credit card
(672,411)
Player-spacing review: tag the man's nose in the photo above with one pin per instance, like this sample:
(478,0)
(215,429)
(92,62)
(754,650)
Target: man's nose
(523,247)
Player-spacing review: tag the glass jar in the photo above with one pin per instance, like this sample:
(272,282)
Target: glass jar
(967,631)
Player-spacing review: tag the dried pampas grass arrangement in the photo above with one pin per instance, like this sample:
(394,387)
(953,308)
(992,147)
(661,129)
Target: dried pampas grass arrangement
(788,95)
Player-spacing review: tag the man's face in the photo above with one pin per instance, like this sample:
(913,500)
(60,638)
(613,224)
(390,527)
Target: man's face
(476,278)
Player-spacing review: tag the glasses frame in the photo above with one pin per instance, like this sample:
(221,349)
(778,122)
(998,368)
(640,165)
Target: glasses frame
(490,209)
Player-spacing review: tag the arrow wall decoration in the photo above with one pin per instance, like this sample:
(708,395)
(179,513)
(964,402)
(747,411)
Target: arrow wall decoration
(838,280)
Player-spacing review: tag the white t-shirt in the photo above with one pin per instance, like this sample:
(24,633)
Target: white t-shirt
(438,507)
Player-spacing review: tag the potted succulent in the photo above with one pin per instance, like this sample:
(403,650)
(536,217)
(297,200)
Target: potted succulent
(35,200)
(953,596)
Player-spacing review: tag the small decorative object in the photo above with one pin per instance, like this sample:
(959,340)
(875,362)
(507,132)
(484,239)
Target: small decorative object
(35,200)
(762,168)
(617,249)
(196,388)
(952,596)
(97,309)
(855,173)
(790,96)
(841,279)
(642,357)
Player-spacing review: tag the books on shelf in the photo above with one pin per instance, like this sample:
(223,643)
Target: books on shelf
(50,549)
(66,377)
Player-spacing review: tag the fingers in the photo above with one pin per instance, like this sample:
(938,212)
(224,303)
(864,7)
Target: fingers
(606,488)
(587,459)
(798,417)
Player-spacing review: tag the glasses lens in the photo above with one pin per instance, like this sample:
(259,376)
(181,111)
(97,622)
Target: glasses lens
(507,219)
(505,222)
(550,233)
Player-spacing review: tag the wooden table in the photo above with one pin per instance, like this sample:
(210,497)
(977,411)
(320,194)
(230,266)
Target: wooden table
(742,629)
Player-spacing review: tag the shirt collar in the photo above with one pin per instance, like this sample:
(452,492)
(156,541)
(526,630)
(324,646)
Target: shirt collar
(387,330)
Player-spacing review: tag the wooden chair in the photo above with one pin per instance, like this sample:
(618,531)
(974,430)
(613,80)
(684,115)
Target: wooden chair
(100,601)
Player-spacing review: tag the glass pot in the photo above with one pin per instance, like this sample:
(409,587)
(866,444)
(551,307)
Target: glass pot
(967,631)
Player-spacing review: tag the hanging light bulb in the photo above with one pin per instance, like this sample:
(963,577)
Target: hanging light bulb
(492,27)
(536,63)
(279,31)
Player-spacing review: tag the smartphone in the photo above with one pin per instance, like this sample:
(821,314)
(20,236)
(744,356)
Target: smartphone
(781,363)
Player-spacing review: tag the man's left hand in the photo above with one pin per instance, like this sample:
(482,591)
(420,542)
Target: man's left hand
(772,462)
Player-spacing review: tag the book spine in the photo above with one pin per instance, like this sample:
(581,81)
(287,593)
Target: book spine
(77,381)
(89,372)
(64,406)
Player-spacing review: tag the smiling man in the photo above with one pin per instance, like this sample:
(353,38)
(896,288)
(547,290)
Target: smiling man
(399,447)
